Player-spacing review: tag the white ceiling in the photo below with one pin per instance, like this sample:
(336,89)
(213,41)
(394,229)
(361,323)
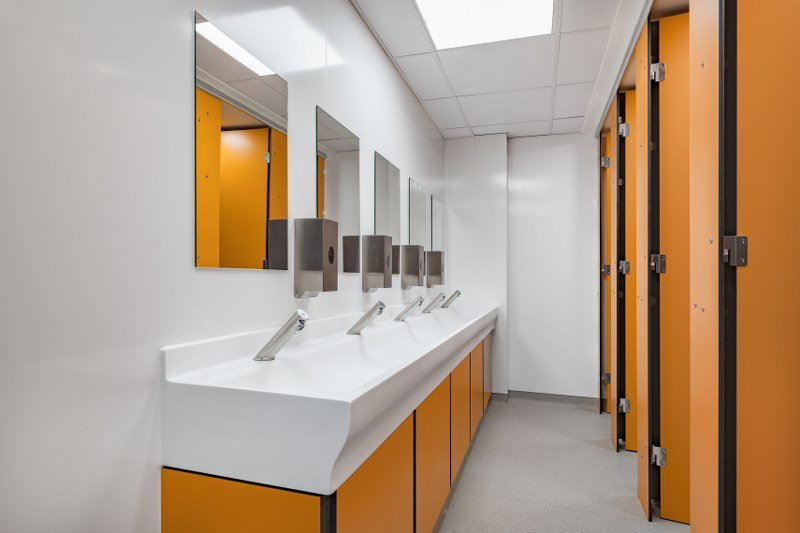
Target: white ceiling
(531,86)
(270,92)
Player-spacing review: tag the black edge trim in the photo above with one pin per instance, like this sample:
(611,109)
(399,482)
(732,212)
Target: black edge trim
(727,276)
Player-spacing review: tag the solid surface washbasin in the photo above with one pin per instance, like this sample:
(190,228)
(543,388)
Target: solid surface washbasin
(308,419)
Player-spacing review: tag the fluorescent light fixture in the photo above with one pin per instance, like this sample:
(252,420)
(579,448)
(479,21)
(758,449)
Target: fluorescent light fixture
(229,46)
(454,23)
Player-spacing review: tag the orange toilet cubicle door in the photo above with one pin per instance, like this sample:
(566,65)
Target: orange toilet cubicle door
(459,415)
(704,266)
(642,142)
(432,436)
(476,388)
(379,496)
(208,124)
(674,302)
(768,294)
(243,198)
(630,282)
(320,186)
(609,181)
(198,503)
(278,176)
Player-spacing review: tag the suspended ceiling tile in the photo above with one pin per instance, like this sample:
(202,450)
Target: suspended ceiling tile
(567,125)
(263,94)
(502,66)
(425,76)
(398,25)
(277,83)
(572,100)
(580,15)
(500,108)
(445,112)
(456,133)
(522,129)
(580,55)
(219,64)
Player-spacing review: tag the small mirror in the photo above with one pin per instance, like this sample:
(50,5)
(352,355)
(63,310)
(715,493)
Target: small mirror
(418,215)
(437,224)
(241,203)
(387,205)
(387,199)
(338,186)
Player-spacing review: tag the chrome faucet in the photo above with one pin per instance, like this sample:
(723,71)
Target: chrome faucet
(401,316)
(447,303)
(295,323)
(376,310)
(436,301)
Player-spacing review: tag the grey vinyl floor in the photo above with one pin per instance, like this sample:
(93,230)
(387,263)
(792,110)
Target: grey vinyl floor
(542,464)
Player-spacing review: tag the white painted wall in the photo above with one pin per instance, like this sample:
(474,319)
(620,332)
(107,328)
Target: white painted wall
(97,227)
(476,233)
(553,253)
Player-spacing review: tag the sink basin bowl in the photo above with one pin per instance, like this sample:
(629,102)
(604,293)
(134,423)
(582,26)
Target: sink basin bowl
(311,417)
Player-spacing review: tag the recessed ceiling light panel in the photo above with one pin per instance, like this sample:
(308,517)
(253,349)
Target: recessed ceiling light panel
(230,47)
(454,23)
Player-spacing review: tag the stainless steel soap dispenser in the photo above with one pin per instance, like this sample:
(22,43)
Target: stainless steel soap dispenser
(434,268)
(376,262)
(316,263)
(412,273)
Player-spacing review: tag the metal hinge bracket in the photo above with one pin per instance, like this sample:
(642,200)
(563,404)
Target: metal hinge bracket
(658,263)
(605,161)
(658,72)
(267,158)
(734,250)
(624,129)
(606,378)
(624,267)
(659,456)
(624,405)
(605,270)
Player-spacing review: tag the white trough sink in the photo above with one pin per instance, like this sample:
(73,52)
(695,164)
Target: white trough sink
(311,417)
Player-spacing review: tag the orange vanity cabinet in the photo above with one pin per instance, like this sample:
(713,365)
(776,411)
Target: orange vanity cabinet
(379,496)
(476,388)
(199,503)
(459,415)
(401,488)
(432,441)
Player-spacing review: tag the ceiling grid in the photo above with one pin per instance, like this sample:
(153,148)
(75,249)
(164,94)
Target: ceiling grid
(537,85)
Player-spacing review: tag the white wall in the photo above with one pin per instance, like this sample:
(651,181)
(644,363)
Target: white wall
(553,253)
(476,233)
(97,227)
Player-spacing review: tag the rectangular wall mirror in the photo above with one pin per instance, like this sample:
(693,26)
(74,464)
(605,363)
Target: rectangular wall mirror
(241,178)
(418,209)
(387,199)
(437,224)
(338,186)
(387,213)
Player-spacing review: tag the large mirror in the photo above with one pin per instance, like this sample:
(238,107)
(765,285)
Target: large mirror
(387,199)
(387,205)
(437,224)
(418,215)
(338,186)
(241,178)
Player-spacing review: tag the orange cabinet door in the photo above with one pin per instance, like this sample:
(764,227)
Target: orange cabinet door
(476,388)
(459,415)
(432,439)
(198,503)
(379,496)
(487,371)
